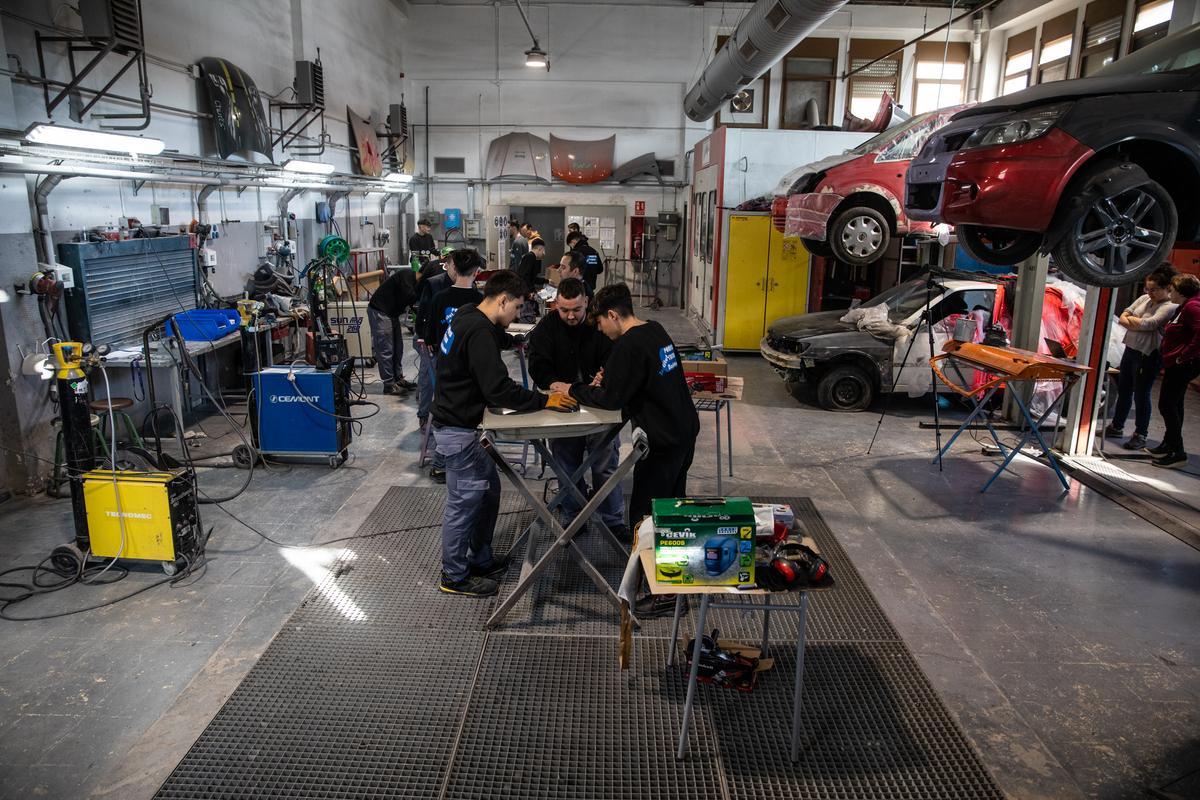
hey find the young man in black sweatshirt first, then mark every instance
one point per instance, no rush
(593, 264)
(462, 266)
(644, 379)
(471, 376)
(565, 348)
(421, 245)
(428, 286)
(530, 270)
(393, 297)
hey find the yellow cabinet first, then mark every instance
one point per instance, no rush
(767, 278)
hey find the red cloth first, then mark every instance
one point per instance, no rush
(1181, 337)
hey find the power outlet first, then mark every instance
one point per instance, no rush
(65, 276)
(208, 259)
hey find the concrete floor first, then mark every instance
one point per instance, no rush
(1060, 629)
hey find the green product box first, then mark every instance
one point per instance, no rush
(704, 541)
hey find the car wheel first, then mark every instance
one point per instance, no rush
(818, 248)
(1120, 239)
(859, 236)
(845, 388)
(1000, 247)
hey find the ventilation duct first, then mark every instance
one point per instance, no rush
(765, 34)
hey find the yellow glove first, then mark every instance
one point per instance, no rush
(562, 402)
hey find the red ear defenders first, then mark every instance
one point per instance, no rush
(790, 565)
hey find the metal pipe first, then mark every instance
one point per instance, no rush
(769, 30)
(528, 27)
(97, 172)
(974, 75)
(282, 207)
(923, 36)
(202, 202)
(41, 197)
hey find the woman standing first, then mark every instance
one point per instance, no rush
(1181, 359)
(1143, 322)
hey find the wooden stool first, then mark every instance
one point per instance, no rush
(117, 406)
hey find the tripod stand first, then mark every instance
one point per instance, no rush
(925, 318)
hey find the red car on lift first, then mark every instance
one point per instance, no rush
(850, 206)
(1101, 171)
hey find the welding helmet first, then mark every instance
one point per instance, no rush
(720, 553)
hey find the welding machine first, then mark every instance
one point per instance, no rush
(143, 516)
(302, 411)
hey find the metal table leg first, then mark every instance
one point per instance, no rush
(679, 601)
(729, 432)
(975, 412)
(693, 678)
(717, 420)
(798, 691)
(766, 640)
(1034, 432)
(569, 487)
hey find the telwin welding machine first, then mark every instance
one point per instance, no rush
(146, 516)
(302, 411)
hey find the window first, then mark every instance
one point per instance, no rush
(1151, 23)
(1018, 63)
(1178, 54)
(868, 87)
(1101, 35)
(1058, 42)
(940, 84)
(809, 74)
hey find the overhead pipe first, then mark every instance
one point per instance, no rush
(202, 202)
(765, 35)
(284, 200)
(973, 77)
(41, 199)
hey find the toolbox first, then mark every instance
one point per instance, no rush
(704, 541)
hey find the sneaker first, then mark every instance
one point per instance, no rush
(1160, 450)
(649, 606)
(1113, 433)
(395, 389)
(1136, 442)
(470, 586)
(1171, 461)
(492, 571)
(437, 475)
(405, 384)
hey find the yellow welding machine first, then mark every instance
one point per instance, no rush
(148, 516)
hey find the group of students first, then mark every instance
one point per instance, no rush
(591, 348)
(1162, 334)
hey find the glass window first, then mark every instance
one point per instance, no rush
(868, 87)
(1152, 15)
(795, 102)
(809, 73)
(1016, 84)
(1176, 54)
(1054, 72)
(1020, 62)
(1053, 51)
(808, 67)
(937, 71)
(938, 85)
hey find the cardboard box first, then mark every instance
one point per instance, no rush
(702, 362)
(704, 541)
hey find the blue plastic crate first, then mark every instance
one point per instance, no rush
(203, 324)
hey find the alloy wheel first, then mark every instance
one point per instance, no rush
(1120, 235)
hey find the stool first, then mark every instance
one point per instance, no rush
(117, 406)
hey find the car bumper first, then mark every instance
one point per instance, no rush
(1012, 186)
(790, 362)
(808, 214)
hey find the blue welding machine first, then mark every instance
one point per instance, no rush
(302, 411)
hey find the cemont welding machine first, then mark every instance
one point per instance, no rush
(302, 411)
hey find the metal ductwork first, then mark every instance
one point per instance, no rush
(765, 34)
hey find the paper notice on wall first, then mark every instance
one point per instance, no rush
(608, 222)
(591, 227)
(608, 237)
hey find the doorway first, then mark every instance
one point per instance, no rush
(551, 223)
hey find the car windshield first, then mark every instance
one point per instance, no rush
(1178, 53)
(904, 300)
(875, 142)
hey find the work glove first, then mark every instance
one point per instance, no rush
(562, 402)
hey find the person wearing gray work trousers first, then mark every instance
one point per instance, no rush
(471, 376)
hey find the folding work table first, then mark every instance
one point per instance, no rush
(536, 428)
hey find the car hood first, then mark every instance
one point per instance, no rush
(784, 187)
(1082, 87)
(804, 325)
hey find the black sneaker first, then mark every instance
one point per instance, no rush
(1113, 433)
(470, 586)
(405, 384)
(492, 571)
(1160, 450)
(437, 475)
(1171, 461)
(1136, 442)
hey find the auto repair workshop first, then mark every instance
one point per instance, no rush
(590, 399)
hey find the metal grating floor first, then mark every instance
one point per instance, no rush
(379, 686)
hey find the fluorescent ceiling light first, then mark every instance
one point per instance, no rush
(536, 57)
(87, 139)
(398, 177)
(308, 167)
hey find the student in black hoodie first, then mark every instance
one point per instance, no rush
(530, 270)
(471, 376)
(565, 347)
(393, 297)
(644, 379)
(593, 264)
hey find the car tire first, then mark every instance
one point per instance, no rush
(1119, 239)
(845, 388)
(999, 247)
(818, 248)
(859, 236)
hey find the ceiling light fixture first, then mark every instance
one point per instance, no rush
(308, 167)
(398, 177)
(86, 139)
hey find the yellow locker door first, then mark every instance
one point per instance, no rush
(745, 294)
(787, 278)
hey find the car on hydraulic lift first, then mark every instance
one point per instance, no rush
(849, 367)
(849, 206)
(1100, 171)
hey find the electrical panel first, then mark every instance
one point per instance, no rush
(473, 228)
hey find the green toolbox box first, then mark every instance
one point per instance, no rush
(704, 541)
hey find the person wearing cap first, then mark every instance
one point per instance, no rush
(421, 243)
(518, 244)
(471, 377)
(593, 264)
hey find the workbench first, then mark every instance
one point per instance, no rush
(536, 428)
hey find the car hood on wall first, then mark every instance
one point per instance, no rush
(789, 181)
(1083, 87)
